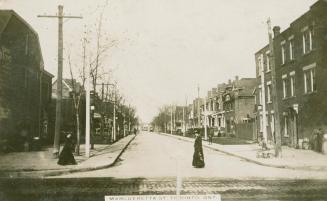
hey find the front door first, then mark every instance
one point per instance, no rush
(293, 128)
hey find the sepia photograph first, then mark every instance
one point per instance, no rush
(163, 100)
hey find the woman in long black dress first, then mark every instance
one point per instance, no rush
(66, 156)
(198, 157)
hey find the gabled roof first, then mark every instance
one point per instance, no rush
(245, 86)
(69, 84)
(6, 15)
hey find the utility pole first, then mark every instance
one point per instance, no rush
(185, 113)
(129, 119)
(87, 113)
(171, 120)
(198, 106)
(278, 137)
(205, 119)
(60, 17)
(183, 126)
(124, 122)
(263, 99)
(114, 132)
(102, 109)
(174, 117)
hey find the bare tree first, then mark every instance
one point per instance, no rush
(162, 120)
(103, 44)
(77, 94)
(96, 61)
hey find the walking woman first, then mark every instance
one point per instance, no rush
(66, 156)
(198, 158)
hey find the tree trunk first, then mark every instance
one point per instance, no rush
(77, 134)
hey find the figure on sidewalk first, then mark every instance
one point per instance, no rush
(66, 156)
(210, 137)
(198, 158)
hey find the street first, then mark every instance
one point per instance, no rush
(101, 98)
(153, 164)
(152, 155)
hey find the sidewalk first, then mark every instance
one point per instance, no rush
(297, 159)
(42, 163)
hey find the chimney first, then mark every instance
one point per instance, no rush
(276, 31)
(229, 81)
(236, 78)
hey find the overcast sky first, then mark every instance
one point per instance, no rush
(164, 48)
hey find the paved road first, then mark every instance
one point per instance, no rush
(152, 155)
(153, 163)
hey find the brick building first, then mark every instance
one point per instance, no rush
(238, 103)
(25, 86)
(228, 109)
(301, 71)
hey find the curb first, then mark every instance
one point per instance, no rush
(249, 159)
(47, 173)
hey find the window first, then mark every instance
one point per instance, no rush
(272, 123)
(284, 78)
(267, 120)
(285, 127)
(291, 46)
(309, 80)
(306, 40)
(261, 123)
(260, 95)
(292, 78)
(259, 66)
(268, 65)
(269, 92)
(283, 52)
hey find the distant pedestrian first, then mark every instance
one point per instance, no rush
(198, 158)
(135, 131)
(66, 156)
(210, 138)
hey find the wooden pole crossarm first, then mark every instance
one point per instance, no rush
(57, 16)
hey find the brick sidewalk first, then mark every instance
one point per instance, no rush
(42, 163)
(298, 159)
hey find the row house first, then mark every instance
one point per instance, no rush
(238, 103)
(211, 103)
(264, 111)
(194, 115)
(25, 86)
(190, 117)
(228, 109)
(180, 119)
(301, 71)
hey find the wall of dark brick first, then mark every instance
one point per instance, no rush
(20, 83)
